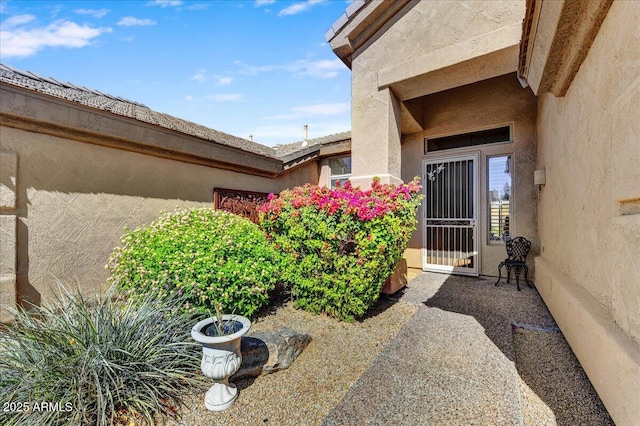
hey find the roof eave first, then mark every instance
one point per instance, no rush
(65, 118)
(360, 22)
(556, 37)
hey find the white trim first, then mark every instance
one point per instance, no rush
(338, 177)
(512, 199)
(447, 157)
(333, 177)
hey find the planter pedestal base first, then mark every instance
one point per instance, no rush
(220, 396)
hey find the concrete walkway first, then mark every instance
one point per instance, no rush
(453, 363)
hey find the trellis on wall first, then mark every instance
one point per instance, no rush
(236, 201)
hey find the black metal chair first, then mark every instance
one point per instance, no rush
(517, 252)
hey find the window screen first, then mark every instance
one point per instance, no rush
(499, 198)
(340, 170)
(482, 137)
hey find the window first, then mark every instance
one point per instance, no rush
(499, 198)
(482, 137)
(340, 170)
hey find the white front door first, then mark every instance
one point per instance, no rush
(451, 213)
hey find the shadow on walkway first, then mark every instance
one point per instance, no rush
(553, 384)
(494, 307)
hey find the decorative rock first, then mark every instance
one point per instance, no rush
(266, 352)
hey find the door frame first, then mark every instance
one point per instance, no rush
(450, 157)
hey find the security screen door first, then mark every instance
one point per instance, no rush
(451, 198)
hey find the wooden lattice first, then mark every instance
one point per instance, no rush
(242, 203)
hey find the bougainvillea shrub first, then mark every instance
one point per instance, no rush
(206, 256)
(340, 244)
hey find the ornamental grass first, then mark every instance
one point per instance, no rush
(98, 361)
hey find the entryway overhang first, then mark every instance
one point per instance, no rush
(488, 56)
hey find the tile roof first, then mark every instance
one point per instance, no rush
(124, 107)
(351, 10)
(290, 148)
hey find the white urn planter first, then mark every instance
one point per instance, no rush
(221, 358)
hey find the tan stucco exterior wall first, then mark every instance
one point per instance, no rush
(491, 103)
(74, 199)
(589, 211)
(401, 50)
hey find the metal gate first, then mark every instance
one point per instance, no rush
(451, 198)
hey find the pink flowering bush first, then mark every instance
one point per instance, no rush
(341, 244)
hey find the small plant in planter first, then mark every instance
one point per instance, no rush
(222, 326)
(220, 337)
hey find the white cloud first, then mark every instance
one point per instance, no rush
(299, 7)
(165, 3)
(188, 98)
(199, 6)
(199, 75)
(279, 133)
(259, 3)
(22, 42)
(96, 13)
(226, 97)
(18, 20)
(272, 135)
(326, 68)
(323, 109)
(130, 21)
(306, 111)
(252, 70)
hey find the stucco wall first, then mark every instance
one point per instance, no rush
(491, 103)
(420, 29)
(74, 199)
(588, 142)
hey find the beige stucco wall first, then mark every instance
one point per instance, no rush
(324, 173)
(420, 35)
(74, 200)
(589, 266)
(488, 104)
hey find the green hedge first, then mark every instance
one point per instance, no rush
(340, 244)
(206, 256)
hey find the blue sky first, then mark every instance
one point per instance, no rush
(243, 67)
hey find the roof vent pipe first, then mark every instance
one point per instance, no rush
(305, 134)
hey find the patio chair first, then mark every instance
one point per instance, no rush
(517, 252)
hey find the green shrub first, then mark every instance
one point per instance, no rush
(206, 256)
(91, 360)
(342, 244)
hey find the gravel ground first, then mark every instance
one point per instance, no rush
(554, 389)
(319, 378)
